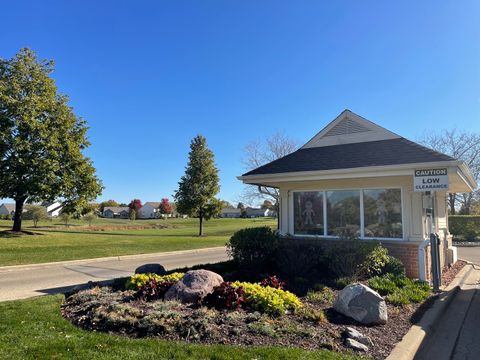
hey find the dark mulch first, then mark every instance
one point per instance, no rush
(89, 310)
(239, 328)
(452, 271)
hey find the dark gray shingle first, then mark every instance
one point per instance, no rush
(373, 153)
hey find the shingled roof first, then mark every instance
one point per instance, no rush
(355, 155)
(351, 141)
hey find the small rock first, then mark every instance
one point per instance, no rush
(151, 269)
(194, 286)
(362, 304)
(355, 345)
(351, 333)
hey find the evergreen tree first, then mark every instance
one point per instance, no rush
(197, 188)
(41, 139)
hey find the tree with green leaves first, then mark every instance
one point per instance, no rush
(41, 139)
(65, 217)
(132, 214)
(36, 213)
(197, 188)
(90, 217)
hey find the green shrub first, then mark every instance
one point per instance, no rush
(399, 289)
(269, 300)
(393, 266)
(298, 257)
(374, 262)
(138, 280)
(343, 281)
(464, 227)
(344, 257)
(324, 296)
(378, 262)
(311, 314)
(252, 246)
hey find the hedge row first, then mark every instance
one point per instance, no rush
(464, 227)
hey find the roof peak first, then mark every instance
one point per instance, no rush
(349, 128)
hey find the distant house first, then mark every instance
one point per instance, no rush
(7, 209)
(53, 208)
(259, 212)
(116, 212)
(230, 212)
(149, 210)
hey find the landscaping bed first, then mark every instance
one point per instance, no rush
(239, 302)
(101, 309)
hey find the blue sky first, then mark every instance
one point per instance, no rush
(150, 75)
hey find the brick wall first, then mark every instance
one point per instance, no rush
(407, 253)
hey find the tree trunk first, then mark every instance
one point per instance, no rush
(200, 231)
(451, 200)
(17, 218)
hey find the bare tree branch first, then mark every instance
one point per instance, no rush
(260, 152)
(463, 146)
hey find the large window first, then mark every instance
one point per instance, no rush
(343, 212)
(382, 213)
(308, 213)
(338, 212)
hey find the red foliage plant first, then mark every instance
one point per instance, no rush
(273, 282)
(135, 204)
(153, 290)
(165, 206)
(225, 296)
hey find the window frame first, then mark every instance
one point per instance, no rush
(362, 210)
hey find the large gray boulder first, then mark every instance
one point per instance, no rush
(151, 269)
(362, 304)
(194, 286)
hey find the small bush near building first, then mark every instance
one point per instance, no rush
(378, 262)
(252, 246)
(312, 260)
(464, 227)
(400, 290)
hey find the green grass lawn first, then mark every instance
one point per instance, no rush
(56, 242)
(34, 329)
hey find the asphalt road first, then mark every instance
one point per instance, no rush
(19, 282)
(469, 253)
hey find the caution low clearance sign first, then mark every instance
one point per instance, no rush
(430, 180)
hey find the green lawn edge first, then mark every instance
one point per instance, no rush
(55, 242)
(34, 329)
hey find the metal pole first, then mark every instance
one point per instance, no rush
(434, 244)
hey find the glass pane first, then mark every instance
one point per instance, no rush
(343, 212)
(308, 210)
(383, 213)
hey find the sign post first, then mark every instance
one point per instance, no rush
(428, 181)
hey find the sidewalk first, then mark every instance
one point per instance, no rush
(456, 336)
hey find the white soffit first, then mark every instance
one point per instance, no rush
(349, 128)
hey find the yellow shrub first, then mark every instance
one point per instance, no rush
(268, 299)
(138, 280)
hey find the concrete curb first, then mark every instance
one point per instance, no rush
(409, 345)
(110, 258)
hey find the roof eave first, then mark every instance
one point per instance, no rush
(359, 172)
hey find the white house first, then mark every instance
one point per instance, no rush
(230, 212)
(149, 210)
(53, 208)
(7, 209)
(259, 212)
(120, 212)
(355, 176)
